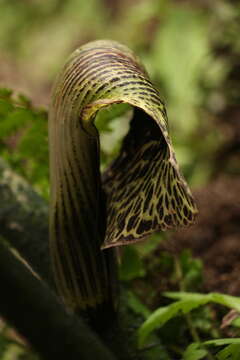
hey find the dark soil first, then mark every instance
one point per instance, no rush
(215, 238)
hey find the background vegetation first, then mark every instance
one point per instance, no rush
(191, 50)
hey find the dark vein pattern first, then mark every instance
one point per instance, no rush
(145, 190)
(142, 191)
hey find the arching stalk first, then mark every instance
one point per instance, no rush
(142, 191)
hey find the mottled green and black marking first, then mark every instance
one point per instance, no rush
(143, 190)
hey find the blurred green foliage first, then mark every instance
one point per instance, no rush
(177, 43)
(23, 141)
(189, 49)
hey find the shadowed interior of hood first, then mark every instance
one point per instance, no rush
(132, 181)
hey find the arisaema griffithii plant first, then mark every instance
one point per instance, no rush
(141, 192)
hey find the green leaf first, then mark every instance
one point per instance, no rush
(136, 305)
(23, 142)
(181, 295)
(24, 101)
(220, 342)
(5, 93)
(230, 352)
(15, 120)
(194, 352)
(236, 322)
(186, 303)
(159, 317)
(232, 302)
(5, 108)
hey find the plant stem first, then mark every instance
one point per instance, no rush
(194, 333)
(30, 306)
